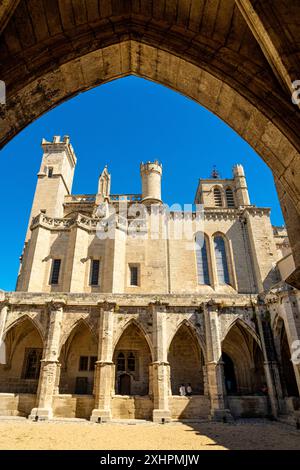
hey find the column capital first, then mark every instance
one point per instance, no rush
(158, 305)
(5, 303)
(213, 304)
(55, 304)
(107, 306)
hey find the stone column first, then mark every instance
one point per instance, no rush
(104, 370)
(270, 366)
(288, 315)
(160, 365)
(3, 317)
(49, 364)
(214, 365)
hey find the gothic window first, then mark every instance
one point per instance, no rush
(121, 362)
(95, 269)
(50, 172)
(218, 197)
(202, 259)
(56, 263)
(221, 260)
(131, 362)
(229, 197)
(32, 363)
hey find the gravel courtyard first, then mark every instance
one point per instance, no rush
(22, 434)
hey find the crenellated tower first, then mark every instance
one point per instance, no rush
(151, 173)
(55, 178)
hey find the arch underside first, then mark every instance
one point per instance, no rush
(186, 361)
(23, 351)
(243, 355)
(132, 373)
(215, 55)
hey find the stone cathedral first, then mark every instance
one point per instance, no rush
(110, 324)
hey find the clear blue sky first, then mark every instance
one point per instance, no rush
(121, 124)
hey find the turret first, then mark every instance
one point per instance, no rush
(55, 178)
(151, 173)
(242, 195)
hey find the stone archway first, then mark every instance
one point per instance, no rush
(24, 351)
(77, 358)
(132, 359)
(230, 58)
(243, 362)
(186, 361)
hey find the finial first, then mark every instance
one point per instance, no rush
(215, 173)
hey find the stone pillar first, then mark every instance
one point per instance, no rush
(104, 370)
(287, 314)
(214, 365)
(160, 365)
(49, 364)
(270, 366)
(3, 317)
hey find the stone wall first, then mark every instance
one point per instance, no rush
(132, 407)
(249, 407)
(73, 406)
(194, 407)
(16, 404)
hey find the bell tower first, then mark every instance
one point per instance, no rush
(55, 178)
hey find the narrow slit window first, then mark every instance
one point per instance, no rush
(133, 275)
(50, 172)
(56, 263)
(95, 270)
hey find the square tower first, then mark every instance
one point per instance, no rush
(230, 193)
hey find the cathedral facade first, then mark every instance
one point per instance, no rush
(125, 308)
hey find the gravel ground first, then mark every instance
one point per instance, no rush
(22, 434)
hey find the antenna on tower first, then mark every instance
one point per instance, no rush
(215, 173)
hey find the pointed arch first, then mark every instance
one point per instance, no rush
(186, 359)
(198, 337)
(22, 318)
(77, 356)
(24, 347)
(243, 324)
(243, 359)
(72, 330)
(133, 321)
(132, 371)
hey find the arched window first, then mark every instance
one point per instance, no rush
(221, 260)
(218, 197)
(131, 362)
(202, 259)
(229, 197)
(121, 362)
